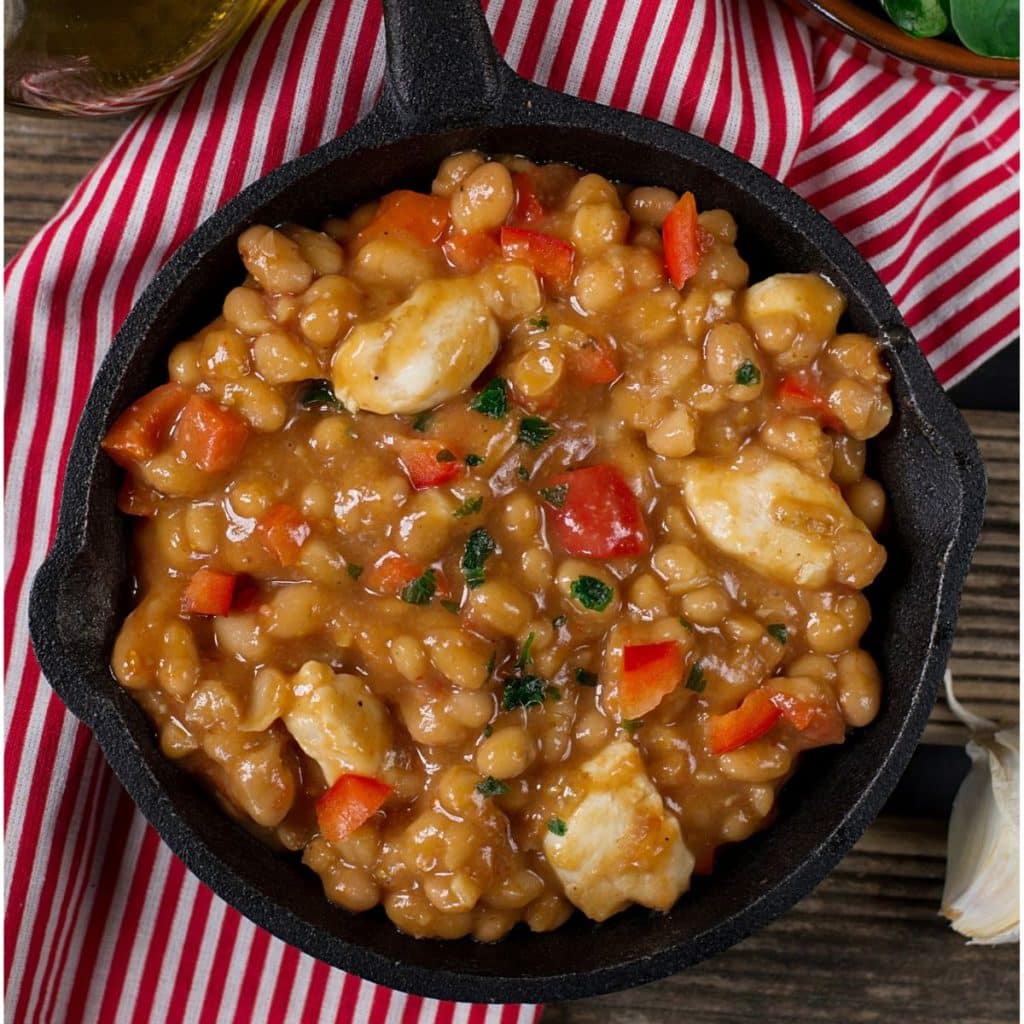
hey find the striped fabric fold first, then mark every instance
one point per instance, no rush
(103, 922)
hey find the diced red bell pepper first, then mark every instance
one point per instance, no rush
(592, 363)
(211, 436)
(680, 238)
(349, 803)
(392, 572)
(469, 251)
(809, 710)
(800, 393)
(649, 673)
(426, 462)
(283, 530)
(139, 432)
(600, 516)
(419, 216)
(550, 257)
(135, 499)
(752, 719)
(209, 592)
(528, 207)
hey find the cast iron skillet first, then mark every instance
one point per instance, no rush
(446, 89)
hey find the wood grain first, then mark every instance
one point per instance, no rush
(45, 158)
(867, 945)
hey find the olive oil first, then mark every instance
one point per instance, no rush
(104, 56)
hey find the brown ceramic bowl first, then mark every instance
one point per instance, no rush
(857, 26)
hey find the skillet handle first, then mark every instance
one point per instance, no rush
(442, 65)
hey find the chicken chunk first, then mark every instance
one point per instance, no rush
(769, 514)
(426, 350)
(337, 721)
(620, 844)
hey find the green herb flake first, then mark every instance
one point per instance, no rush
(556, 495)
(557, 827)
(493, 400)
(552, 693)
(355, 571)
(695, 679)
(540, 322)
(479, 547)
(585, 677)
(490, 663)
(421, 590)
(559, 621)
(445, 456)
(474, 460)
(469, 507)
(488, 730)
(748, 374)
(631, 724)
(491, 787)
(777, 631)
(421, 421)
(523, 473)
(524, 655)
(592, 593)
(318, 393)
(523, 691)
(451, 606)
(685, 623)
(534, 431)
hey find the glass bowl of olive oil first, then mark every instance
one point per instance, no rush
(97, 57)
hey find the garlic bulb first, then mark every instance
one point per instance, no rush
(981, 896)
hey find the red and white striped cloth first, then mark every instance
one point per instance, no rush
(103, 923)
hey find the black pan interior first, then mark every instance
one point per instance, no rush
(926, 462)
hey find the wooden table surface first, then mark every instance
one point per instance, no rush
(867, 944)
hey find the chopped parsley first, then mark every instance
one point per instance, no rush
(479, 547)
(488, 730)
(585, 677)
(421, 590)
(469, 507)
(540, 322)
(559, 621)
(490, 663)
(523, 691)
(748, 374)
(631, 724)
(778, 631)
(557, 827)
(421, 421)
(355, 571)
(534, 431)
(493, 400)
(555, 495)
(523, 473)
(474, 460)
(320, 392)
(685, 623)
(491, 787)
(552, 693)
(524, 655)
(451, 606)
(592, 593)
(444, 455)
(695, 679)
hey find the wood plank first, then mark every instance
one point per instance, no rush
(986, 648)
(44, 159)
